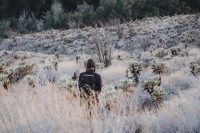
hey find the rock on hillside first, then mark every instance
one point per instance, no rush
(140, 34)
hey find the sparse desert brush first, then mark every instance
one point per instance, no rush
(126, 85)
(111, 95)
(66, 83)
(16, 74)
(162, 53)
(31, 80)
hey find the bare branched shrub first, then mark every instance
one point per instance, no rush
(103, 46)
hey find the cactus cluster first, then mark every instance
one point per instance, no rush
(126, 85)
(135, 69)
(110, 94)
(150, 84)
(158, 94)
(14, 75)
(66, 83)
(158, 68)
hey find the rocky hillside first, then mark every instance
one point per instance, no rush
(149, 32)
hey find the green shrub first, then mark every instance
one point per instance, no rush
(28, 23)
(55, 17)
(4, 26)
(87, 13)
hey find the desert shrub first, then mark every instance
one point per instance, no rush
(135, 69)
(137, 66)
(55, 17)
(29, 23)
(106, 9)
(150, 84)
(31, 80)
(158, 68)
(66, 83)
(126, 85)
(20, 72)
(87, 13)
(195, 68)
(175, 51)
(48, 20)
(158, 94)
(75, 20)
(103, 45)
(1, 67)
(162, 53)
(55, 64)
(15, 74)
(111, 95)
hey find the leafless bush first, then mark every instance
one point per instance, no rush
(103, 46)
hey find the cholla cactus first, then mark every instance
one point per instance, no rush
(14, 75)
(126, 85)
(66, 83)
(195, 68)
(135, 69)
(175, 50)
(110, 94)
(20, 72)
(158, 94)
(149, 85)
(158, 68)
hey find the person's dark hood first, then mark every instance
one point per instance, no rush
(90, 70)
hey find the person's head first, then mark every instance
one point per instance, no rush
(90, 64)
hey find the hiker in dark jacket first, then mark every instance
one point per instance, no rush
(90, 82)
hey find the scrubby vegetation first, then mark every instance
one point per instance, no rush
(31, 16)
(148, 84)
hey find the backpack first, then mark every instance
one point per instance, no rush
(87, 83)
